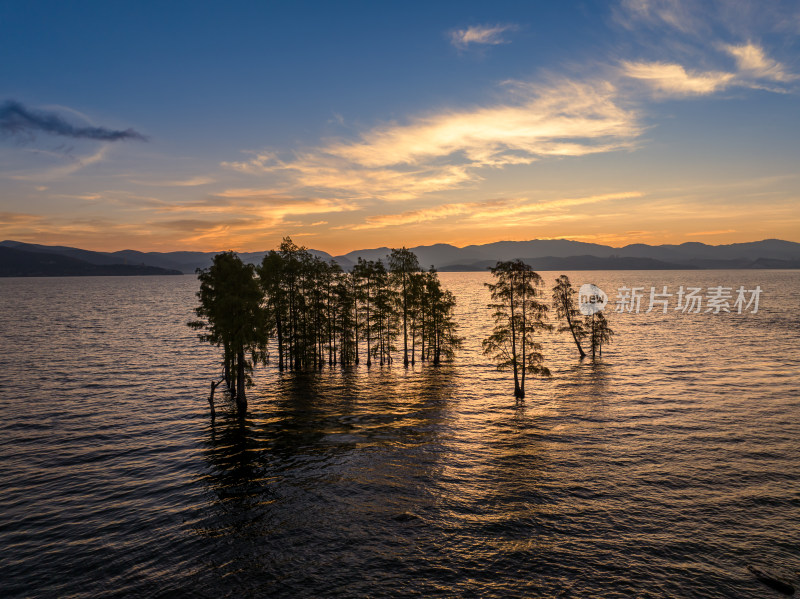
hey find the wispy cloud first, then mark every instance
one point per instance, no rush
(448, 149)
(263, 205)
(670, 79)
(673, 79)
(480, 34)
(499, 212)
(19, 121)
(249, 192)
(689, 36)
(240, 217)
(74, 164)
(568, 119)
(680, 15)
(415, 216)
(190, 182)
(753, 61)
(706, 233)
(260, 162)
(16, 218)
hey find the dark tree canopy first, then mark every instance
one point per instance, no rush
(599, 333)
(564, 304)
(314, 313)
(519, 318)
(403, 264)
(231, 316)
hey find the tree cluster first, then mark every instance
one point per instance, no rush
(313, 313)
(521, 317)
(593, 327)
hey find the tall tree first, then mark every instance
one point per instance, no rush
(599, 332)
(402, 264)
(345, 323)
(314, 308)
(385, 316)
(231, 315)
(416, 296)
(438, 323)
(270, 277)
(519, 319)
(564, 303)
(365, 273)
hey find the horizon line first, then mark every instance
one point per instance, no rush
(417, 246)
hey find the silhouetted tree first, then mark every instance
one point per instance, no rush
(345, 326)
(232, 317)
(385, 315)
(564, 303)
(519, 318)
(270, 277)
(416, 309)
(315, 310)
(402, 264)
(365, 277)
(438, 323)
(599, 333)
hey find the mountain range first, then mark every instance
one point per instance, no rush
(26, 259)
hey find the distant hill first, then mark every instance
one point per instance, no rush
(18, 263)
(578, 263)
(544, 254)
(554, 254)
(185, 262)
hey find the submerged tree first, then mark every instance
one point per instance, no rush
(318, 313)
(599, 332)
(438, 323)
(403, 264)
(231, 316)
(270, 277)
(364, 292)
(386, 321)
(564, 304)
(519, 318)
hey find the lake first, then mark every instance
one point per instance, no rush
(663, 470)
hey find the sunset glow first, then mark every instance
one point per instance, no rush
(652, 122)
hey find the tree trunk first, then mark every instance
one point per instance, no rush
(574, 336)
(214, 385)
(524, 336)
(517, 391)
(413, 341)
(280, 342)
(241, 398)
(405, 323)
(369, 341)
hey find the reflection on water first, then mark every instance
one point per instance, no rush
(661, 471)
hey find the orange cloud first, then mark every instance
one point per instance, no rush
(752, 60)
(494, 213)
(448, 149)
(673, 79)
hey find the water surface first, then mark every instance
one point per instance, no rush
(661, 471)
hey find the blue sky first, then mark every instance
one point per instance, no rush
(350, 125)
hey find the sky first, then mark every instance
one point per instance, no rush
(164, 126)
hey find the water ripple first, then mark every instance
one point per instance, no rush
(662, 471)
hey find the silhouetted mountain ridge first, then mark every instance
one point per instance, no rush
(19, 263)
(544, 254)
(578, 255)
